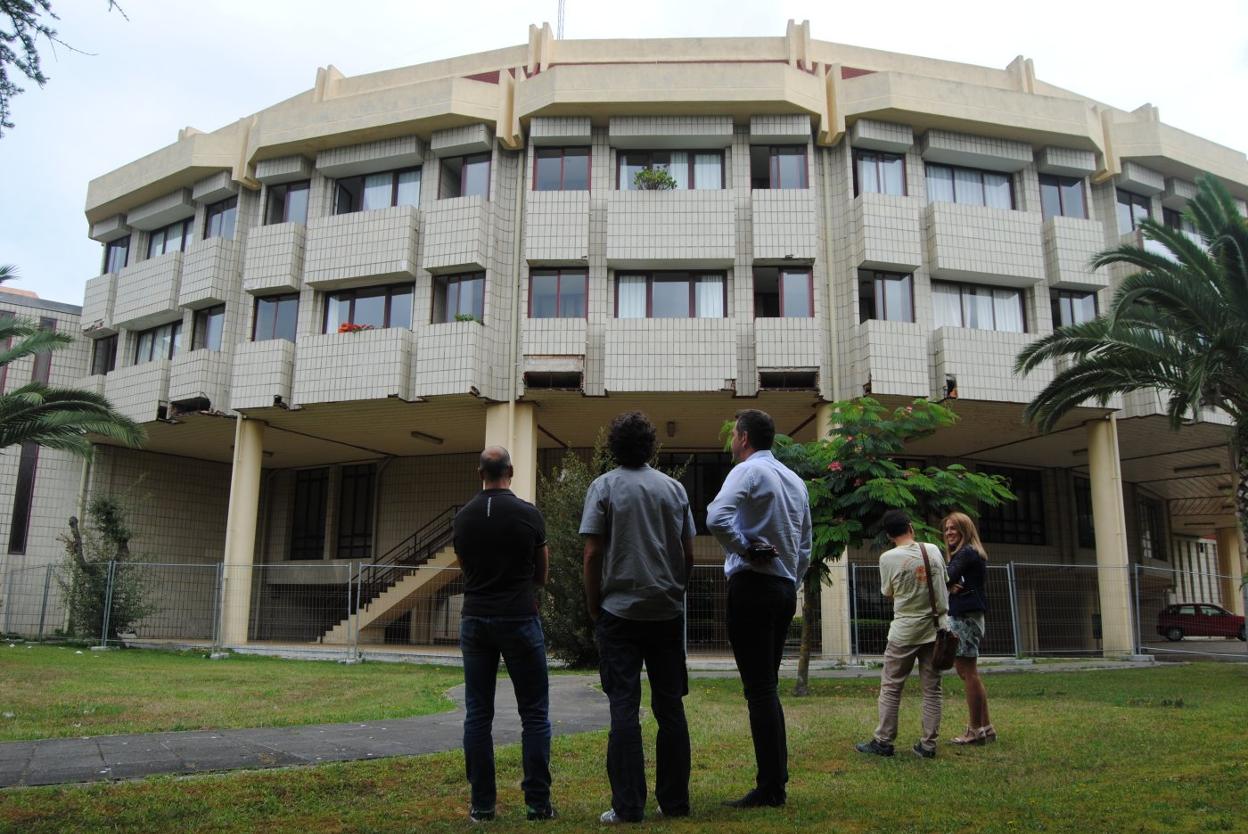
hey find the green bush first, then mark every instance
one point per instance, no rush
(653, 179)
(89, 548)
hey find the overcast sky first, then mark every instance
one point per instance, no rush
(206, 63)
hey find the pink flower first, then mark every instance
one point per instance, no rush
(835, 466)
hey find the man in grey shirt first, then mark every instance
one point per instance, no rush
(639, 533)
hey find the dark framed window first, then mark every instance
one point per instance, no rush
(558, 294)
(209, 327)
(702, 474)
(116, 254)
(671, 295)
(1152, 529)
(778, 166)
(1085, 529)
(459, 297)
(307, 530)
(561, 169)
(1020, 521)
(1176, 220)
(783, 293)
(355, 511)
(277, 317)
(885, 296)
(1131, 209)
(1062, 197)
(1070, 307)
(287, 203)
(876, 172)
(103, 355)
(692, 170)
(465, 176)
(372, 307)
(5, 345)
(172, 238)
(367, 192)
(969, 186)
(220, 218)
(23, 497)
(979, 307)
(163, 342)
(41, 370)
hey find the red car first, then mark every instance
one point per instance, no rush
(1198, 619)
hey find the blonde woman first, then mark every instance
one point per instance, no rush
(968, 603)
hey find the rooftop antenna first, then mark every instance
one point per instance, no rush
(559, 27)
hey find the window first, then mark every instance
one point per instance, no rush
(373, 191)
(969, 186)
(1072, 307)
(561, 169)
(1020, 522)
(783, 293)
(782, 166)
(307, 532)
(702, 474)
(670, 295)
(209, 325)
(172, 238)
(23, 498)
(103, 355)
(5, 345)
(355, 511)
(557, 293)
(277, 317)
(288, 203)
(220, 219)
(162, 342)
(459, 297)
(885, 296)
(978, 307)
(116, 254)
(465, 176)
(879, 173)
(372, 307)
(1132, 208)
(1152, 529)
(1062, 197)
(1084, 526)
(701, 170)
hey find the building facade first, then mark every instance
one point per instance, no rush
(321, 312)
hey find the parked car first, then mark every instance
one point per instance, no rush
(1198, 619)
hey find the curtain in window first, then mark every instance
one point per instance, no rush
(977, 308)
(409, 189)
(997, 191)
(868, 178)
(679, 169)
(1008, 307)
(947, 304)
(970, 187)
(710, 297)
(707, 172)
(939, 184)
(377, 191)
(632, 296)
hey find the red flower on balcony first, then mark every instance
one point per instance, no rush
(351, 327)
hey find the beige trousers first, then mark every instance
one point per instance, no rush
(898, 661)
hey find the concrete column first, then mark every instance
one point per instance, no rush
(1110, 524)
(517, 431)
(240, 529)
(1230, 546)
(835, 610)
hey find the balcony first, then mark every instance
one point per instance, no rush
(887, 232)
(988, 245)
(138, 391)
(97, 304)
(982, 362)
(262, 374)
(556, 227)
(890, 357)
(785, 224)
(200, 379)
(274, 258)
(671, 355)
(788, 343)
(554, 337)
(648, 229)
(457, 234)
(1069, 245)
(95, 383)
(360, 248)
(147, 292)
(340, 367)
(210, 272)
(449, 361)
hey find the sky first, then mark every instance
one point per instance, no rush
(168, 64)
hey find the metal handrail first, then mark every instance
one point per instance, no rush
(373, 579)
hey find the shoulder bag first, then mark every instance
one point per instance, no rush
(946, 648)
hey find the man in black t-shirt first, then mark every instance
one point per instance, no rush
(501, 544)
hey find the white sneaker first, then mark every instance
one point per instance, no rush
(608, 817)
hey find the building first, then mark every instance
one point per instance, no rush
(322, 311)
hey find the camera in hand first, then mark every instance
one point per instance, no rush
(759, 552)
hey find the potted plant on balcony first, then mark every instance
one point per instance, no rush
(467, 317)
(653, 179)
(352, 327)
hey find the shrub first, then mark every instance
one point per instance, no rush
(653, 179)
(89, 549)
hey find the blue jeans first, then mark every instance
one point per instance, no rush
(520, 642)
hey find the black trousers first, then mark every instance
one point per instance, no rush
(623, 646)
(760, 609)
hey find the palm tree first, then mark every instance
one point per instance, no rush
(1179, 325)
(58, 418)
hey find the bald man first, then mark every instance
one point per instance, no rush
(501, 544)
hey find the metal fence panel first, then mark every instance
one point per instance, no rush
(34, 602)
(1204, 624)
(1058, 609)
(163, 603)
(301, 606)
(706, 616)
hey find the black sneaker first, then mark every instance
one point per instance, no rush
(922, 752)
(547, 812)
(756, 799)
(481, 814)
(875, 748)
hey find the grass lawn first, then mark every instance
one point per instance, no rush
(1153, 750)
(55, 691)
